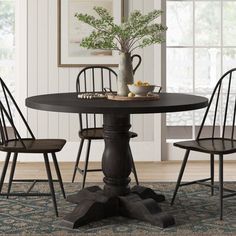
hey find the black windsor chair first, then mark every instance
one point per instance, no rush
(12, 143)
(221, 142)
(89, 130)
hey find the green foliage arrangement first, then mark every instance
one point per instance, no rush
(137, 32)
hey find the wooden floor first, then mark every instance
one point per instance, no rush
(147, 171)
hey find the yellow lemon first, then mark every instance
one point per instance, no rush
(130, 95)
(139, 83)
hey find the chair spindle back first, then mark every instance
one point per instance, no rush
(8, 110)
(222, 107)
(94, 79)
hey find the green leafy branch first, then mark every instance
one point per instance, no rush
(137, 32)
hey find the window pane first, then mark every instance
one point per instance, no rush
(7, 54)
(180, 23)
(198, 114)
(7, 23)
(180, 70)
(207, 23)
(229, 62)
(179, 119)
(229, 58)
(229, 23)
(7, 44)
(7, 71)
(230, 110)
(207, 69)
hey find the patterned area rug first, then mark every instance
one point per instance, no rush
(195, 211)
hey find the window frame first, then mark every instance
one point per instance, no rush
(221, 47)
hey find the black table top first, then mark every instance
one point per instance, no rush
(70, 103)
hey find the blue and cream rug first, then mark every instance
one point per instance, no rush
(195, 211)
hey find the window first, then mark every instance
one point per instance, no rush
(7, 42)
(201, 46)
(7, 46)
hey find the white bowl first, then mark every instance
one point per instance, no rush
(141, 90)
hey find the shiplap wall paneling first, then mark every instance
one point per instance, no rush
(73, 118)
(43, 49)
(64, 125)
(143, 124)
(32, 115)
(137, 120)
(53, 71)
(148, 75)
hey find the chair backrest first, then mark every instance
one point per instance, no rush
(94, 79)
(8, 111)
(221, 110)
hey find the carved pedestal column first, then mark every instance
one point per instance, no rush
(116, 164)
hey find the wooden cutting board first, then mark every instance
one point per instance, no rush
(142, 98)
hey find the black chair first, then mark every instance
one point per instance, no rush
(107, 79)
(12, 143)
(219, 143)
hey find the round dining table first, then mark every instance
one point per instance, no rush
(116, 197)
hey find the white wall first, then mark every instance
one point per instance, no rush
(44, 76)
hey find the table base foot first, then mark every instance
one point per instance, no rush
(145, 193)
(90, 193)
(93, 205)
(133, 206)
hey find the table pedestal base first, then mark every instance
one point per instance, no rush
(93, 205)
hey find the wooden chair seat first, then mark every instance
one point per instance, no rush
(97, 133)
(34, 146)
(209, 145)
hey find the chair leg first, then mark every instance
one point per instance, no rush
(212, 174)
(86, 163)
(221, 185)
(13, 167)
(4, 170)
(78, 159)
(133, 167)
(50, 182)
(58, 174)
(180, 175)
